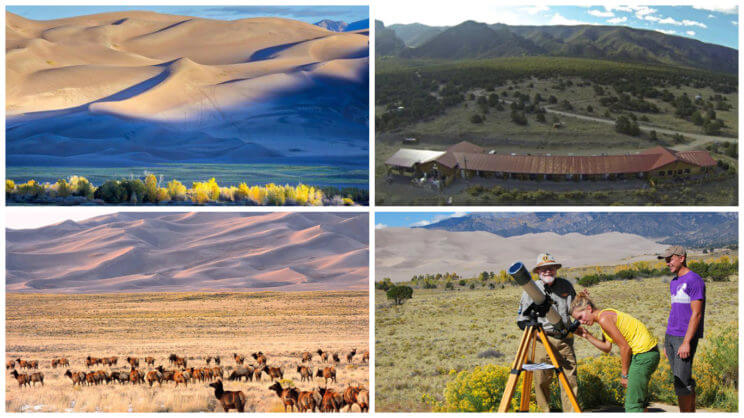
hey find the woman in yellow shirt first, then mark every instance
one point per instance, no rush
(639, 353)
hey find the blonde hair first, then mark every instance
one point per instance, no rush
(581, 302)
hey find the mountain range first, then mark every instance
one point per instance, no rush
(474, 40)
(341, 26)
(689, 229)
(191, 251)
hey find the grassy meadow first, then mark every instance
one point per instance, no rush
(428, 341)
(195, 325)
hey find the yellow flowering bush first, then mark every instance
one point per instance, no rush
(9, 186)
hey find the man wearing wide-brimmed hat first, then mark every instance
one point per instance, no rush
(685, 324)
(561, 293)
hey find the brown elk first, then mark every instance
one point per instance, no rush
(133, 361)
(113, 360)
(336, 358)
(154, 376)
(208, 360)
(178, 361)
(10, 364)
(306, 401)
(323, 354)
(55, 362)
(239, 358)
(305, 372)
(307, 356)
(260, 358)
(365, 356)
(363, 400)
(150, 361)
(274, 372)
(92, 361)
(23, 364)
(228, 399)
(22, 378)
(242, 372)
(350, 356)
(327, 373)
(180, 377)
(217, 371)
(78, 378)
(135, 376)
(217, 360)
(352, 396)
(91, 378)
(287, 395)
(102, 376)
(257, 374)
(332, 401)
(121, 377)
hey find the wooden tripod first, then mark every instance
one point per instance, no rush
(529, 340)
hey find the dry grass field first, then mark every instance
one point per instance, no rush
(196, 325)
(424, 343)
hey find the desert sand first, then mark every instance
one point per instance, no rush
(124, 78)
(152, 252)
(401, 253)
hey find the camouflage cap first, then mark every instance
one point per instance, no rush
(673, 250)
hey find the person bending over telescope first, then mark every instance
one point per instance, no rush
(560, 293)
(639, 353)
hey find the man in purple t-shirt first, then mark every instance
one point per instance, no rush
(685, 326)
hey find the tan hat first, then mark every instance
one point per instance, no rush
(545, 259)
(673, 250)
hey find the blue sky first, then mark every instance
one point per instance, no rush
(406, 219)
(716, 23)
(309, 14)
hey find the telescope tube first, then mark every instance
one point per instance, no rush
(520, 275)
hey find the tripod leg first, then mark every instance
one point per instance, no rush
(524, 405)
(561, 375)
(511, 382)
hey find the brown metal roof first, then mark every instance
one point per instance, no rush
(408, 157)
(449, 160)
(701, 158)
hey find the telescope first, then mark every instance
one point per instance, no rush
(542, 304)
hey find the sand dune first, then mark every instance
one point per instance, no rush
(139, 252)
(403, 252)
(289, 80)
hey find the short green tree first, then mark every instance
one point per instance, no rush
(399, 294)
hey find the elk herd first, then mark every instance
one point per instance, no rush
(320, 399)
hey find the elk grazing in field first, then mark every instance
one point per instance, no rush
(150, 361)
(323, 354)
(260, 358)
(327, 373)
(92, 361)
(36, 377)
(178, 361)
(154, 376)
(274, 372)
(133, 361)
(287, 395)
(305, 372)
(306, 401)
(239, 358)
(350, 356)
(10, 364)
(242, 372)
(78, 378)
(228, 399)
(307, 356)
(121, 377)
(365, 356)
(22, 378)
(336, 358)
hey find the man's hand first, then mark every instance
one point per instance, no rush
(624, 382)
(684, 350)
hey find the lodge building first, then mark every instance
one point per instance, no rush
(467, 160)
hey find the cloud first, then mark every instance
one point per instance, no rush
(690, 32)
(735, 23)
(641, 11)
(293, 11)
(687, 22)
(617, 20)
(711, 17)
(380, 226)
(438, 218)
(619, 8)
(668, 32)
(722, 7)
(557, 19)
(599, 13)
(535, 10)
(672, 21)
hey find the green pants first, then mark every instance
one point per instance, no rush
(642, 366)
